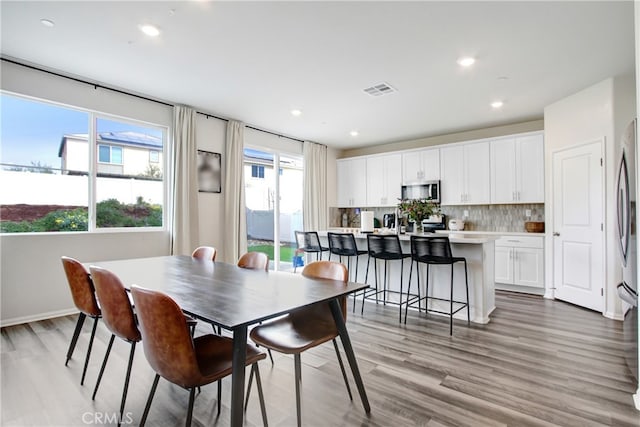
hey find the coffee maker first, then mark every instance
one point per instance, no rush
(389, 221)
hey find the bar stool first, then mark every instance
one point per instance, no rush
(344, 244)
(436, 250)
(384, 247)
(309, 242)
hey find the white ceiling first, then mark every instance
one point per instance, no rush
(257, 61)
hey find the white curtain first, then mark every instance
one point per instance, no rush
(235, 227)
(184, 182)
(314, 210)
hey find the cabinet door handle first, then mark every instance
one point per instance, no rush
(556, 234)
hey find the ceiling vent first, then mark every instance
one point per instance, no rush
(380, 89)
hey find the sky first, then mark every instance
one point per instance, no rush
(31, 131)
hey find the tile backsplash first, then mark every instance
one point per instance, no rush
(507, 218)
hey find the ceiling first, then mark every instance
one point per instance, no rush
(256, 62)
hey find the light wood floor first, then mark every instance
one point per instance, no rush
(538, 362)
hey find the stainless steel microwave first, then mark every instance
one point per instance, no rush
(425, 190)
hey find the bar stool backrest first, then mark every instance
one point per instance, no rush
(431, 249)
(343, 244)
(308, 241)
(384, 246)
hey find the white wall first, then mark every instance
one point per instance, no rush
(585, 117)
(210, 136)
(32, 282)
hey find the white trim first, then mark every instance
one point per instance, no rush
(37, 317)
(611, 315)
(636, 399)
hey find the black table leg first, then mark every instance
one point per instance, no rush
(237, 375)
(348, 349)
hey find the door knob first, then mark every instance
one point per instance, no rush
(555, 233)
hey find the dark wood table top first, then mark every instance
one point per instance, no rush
(225, 294)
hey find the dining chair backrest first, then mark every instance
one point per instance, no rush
(82, 290)
(166, 340)
(431, 248)
(384, 246)
(115, 305)
(205, 252)
(254, 261)
(308, 241)
(343, 244)
(328, 270)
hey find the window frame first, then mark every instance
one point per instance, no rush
(259, 171)
(111, 147)
(92, 173)
(157, 156)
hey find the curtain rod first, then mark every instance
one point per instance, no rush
(135, 95)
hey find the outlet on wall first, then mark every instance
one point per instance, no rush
(527, 213)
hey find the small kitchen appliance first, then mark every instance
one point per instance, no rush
(456, 224)
(389, 221)
(434, 223)
(429, 190)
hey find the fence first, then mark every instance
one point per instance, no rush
(260, 225)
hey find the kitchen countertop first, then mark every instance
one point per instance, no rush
(454, 237)
(485, 233)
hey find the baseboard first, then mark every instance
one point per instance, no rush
(37, 317)
(612, 315)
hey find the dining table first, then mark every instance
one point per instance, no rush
(234, 298)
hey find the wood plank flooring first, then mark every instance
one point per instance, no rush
(537, 363)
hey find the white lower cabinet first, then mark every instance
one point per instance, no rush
(519, 262)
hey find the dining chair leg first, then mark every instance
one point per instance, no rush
(344, 373)
(74, 339)
(104, 365)
(270, 355)
(192, 395)
(263, 407)
(219, 396)
(86, 360)
(126, 381)
(143, 420)
(246, 399)
(298, 377)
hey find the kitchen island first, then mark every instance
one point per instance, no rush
(478, 249)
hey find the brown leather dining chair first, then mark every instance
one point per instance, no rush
(305, 328)
(118, 316)
(254, 261)
(84, 298)
(178, 357)
(205, 252)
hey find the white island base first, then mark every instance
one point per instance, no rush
(477, 249)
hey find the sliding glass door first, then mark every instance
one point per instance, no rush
(273, 191)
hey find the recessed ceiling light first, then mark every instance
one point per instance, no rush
(497, 104)
(354, 133)
(150, 30)
(466, 61)
(47, 23)
(296, 113)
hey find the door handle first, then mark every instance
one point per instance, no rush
(556, 234)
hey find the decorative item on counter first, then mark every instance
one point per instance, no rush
(366, 221)
(534, 227)
(345, 220)
(418, 210)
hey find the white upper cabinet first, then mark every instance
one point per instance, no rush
(352, 182)
(465, 174)
(384, 186)
(420, 166)
(517, 172)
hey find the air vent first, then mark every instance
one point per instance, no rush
(380, 89)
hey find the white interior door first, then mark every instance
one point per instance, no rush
(578, 248)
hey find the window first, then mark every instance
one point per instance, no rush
(46, 154)
(154, 156)
(257, 171)
(109, 154)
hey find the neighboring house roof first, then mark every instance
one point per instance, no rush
(132, 139)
